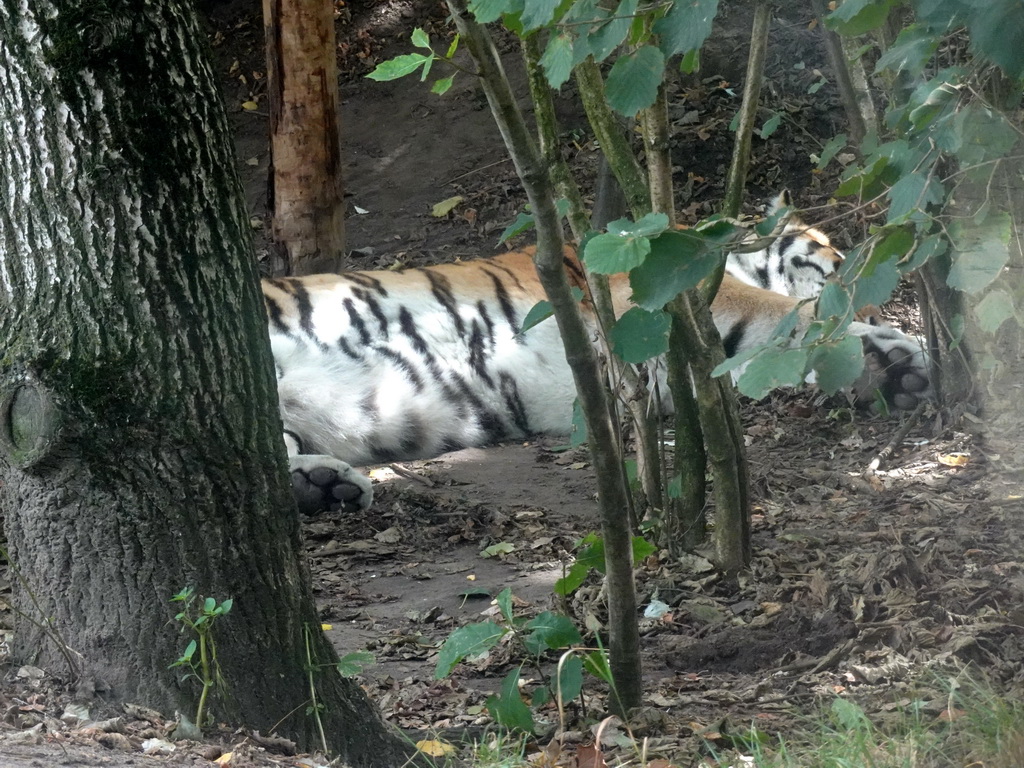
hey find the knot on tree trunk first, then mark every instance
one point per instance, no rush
(29, 422)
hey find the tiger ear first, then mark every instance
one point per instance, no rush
(782, 200)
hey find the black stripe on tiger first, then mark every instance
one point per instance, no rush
(305, 309)
(374, 306)
(276, 315)
(371, 283)
(402, 363)
(732, 340)
(510, 391)
(356, 321)
(506, 306)
(477, 354)
(441, 289)
(481, 309)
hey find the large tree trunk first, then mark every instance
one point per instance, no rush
(141, 451)
(307, 206)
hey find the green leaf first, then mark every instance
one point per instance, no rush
(911, 195)
(640, 335)
(487, 11)
(504, 601)
(609, 254)
(190, 650)
(850, 716)
(596, 663)
(876, 288)
(633, 81)
(855, 17)
(570, 678)
(677, 262)
(420, 39)
(607, 37)
(980, 253)
(400, 66)
(994, 310)
(642, 548)
(537, 13)
(771, 369)
(997, 34)
(538, 313)
(523, 222)
(507, 707)
(982, 135)
(771, 125)
(931, 246)
(440, 87)
(351, 664)
(500, 548)
(572, 580)
(464, 642)
(209, 604)
(686, 26)
(651, 225)
(834, 301)
(838, 364)
(550, 631)
(863, 182)
(830, 150)
(557, 60)
(910, 51)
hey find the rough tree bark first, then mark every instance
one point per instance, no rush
(141, 450)
(306, 197)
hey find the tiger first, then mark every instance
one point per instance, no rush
(383, 366)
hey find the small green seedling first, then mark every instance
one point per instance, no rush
(198, 615)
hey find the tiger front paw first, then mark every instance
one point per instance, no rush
(321, 483)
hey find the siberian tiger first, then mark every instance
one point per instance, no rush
(394, 365)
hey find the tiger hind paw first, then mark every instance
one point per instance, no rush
(322, 483)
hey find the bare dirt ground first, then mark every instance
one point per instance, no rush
(873, 585)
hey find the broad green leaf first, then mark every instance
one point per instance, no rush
(607, 37)
(994, 309)
(440, 87)
(570, 678)
(863, 182)
(572, 580)
(500, 548)
(855, 17)
(487, 11)
(980, 253)
(732, 363)
(983, 135)
(465, 642)
(876, 288)
(834, 301)
(677, 262)
(190, 650)
(771, 369)
(504, 602)
(523, 222)
(997, 34)
(400, 66)
(633, 81)
(650, 225)
(910, 51)
(911, 195)
(830, 149)
(686, 26)
(596, 663)
(508, 708)
(541, 695)
(538, 313)
(351, 664)
(642, 548)
(609, 254)
(837, 364)
(690, 62)
(933, 245)
(550, 631)
(940, 98)
(771, 125)
(420, 39)
(640, 335)
(557, 60)
(537, 13)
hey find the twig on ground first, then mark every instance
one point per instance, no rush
(890, 448)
